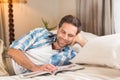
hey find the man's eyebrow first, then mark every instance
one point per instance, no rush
(68, 33)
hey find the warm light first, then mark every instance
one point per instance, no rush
(14, 1)
(11, 17)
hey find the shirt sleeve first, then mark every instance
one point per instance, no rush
(27, 40)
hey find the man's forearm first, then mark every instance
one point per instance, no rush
(24, 61)
(21, 59)
(82, 42)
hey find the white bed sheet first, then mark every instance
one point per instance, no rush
(89, 73)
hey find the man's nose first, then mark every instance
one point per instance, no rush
(65, 37)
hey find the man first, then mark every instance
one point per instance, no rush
(41, 50)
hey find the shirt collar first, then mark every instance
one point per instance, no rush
(53, 38)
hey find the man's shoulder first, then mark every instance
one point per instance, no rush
(40, 30)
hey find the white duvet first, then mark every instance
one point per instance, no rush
(89, 73)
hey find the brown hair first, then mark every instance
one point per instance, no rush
(72, 20)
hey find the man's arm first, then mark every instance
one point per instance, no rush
(23, 60)
(80, 39)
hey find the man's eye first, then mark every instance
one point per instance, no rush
(70, 35)
(63, 32)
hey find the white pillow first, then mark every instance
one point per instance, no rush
(104, 50)
(88, 35)
(54, 31)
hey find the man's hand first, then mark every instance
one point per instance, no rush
(80, 39)
(46, 67)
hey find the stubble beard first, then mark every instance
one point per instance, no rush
(60, 44)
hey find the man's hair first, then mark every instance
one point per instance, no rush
(71, 20)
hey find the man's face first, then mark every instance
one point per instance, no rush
(66, 34)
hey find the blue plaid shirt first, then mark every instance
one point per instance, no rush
(39, 37)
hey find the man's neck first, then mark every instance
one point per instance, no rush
(56, 46)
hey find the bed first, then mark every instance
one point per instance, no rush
(89, 73)
(100, 58)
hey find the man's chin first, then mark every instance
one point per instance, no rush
(63, 45)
